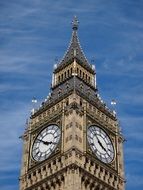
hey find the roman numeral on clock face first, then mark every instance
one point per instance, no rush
(100, 143)
(46, 142)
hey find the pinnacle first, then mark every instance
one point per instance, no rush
(75, 23)
(74, 50)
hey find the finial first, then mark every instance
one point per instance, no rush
(75, 23)
(113, 103)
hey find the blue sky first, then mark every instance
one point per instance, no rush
(35, 33)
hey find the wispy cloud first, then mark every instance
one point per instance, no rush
(33, 33)
(12, 127)
(134, 181)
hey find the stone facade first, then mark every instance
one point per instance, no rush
(74, 105)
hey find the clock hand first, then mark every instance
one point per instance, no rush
(108, 154)
(101, 144)
(110, 150)
(46, 142)
(41, 140)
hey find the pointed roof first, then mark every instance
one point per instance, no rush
(74, 51)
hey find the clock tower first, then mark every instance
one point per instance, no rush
(73, 141)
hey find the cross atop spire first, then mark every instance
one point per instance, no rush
(75, 23)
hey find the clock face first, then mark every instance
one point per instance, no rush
(46, 142)
(100, 144)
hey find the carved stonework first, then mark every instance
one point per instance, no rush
(89, 152)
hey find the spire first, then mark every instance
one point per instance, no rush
(74, 51)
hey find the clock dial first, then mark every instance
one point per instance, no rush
(100, 144)
(46, 142)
